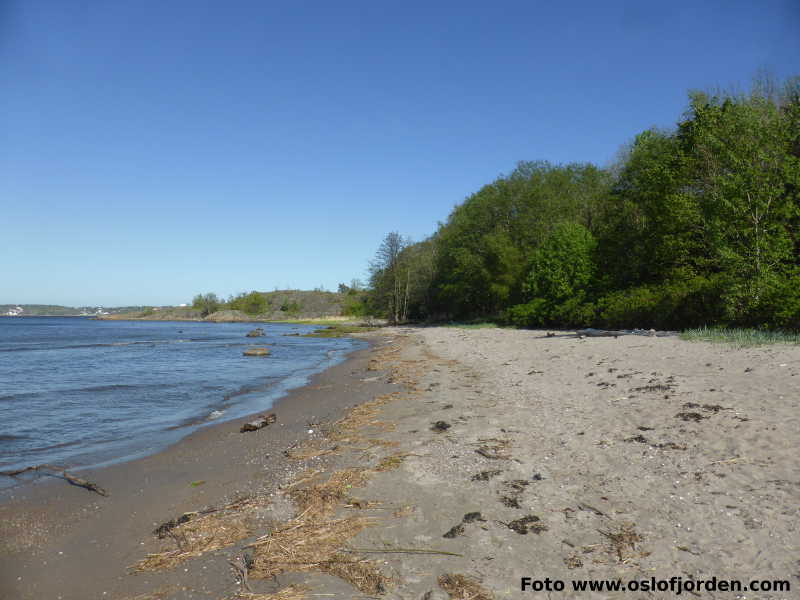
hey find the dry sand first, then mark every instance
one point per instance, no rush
(476, 457)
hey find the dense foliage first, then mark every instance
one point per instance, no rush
(695, 226)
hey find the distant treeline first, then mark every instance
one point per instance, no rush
(693, 226)
(280, 304)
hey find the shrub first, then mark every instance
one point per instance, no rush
(253, 303)
(672, 305)
(530, 314)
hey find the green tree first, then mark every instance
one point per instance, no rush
(206, 303)
(559, 282)
(252, 303)
(745, 177)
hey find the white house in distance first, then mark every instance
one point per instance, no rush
(15, 312)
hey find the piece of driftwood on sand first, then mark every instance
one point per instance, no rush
(92, 487)
(590, 332)
(259, 423)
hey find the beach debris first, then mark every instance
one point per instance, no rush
(471, 517)
(259, 423)
(457, 530)
(389, 463)
(299, 451)
(622, 542)
(313, 540)
(291, 592)
(527, 524)
(459, 587)
(715, 408)
(198, 533)
(496, 450)
(638, 438)
(404, 511)
(573, 561)
(584, 333)
(72, 479)
(591, 509)
(165, 528)
(658, 387)
(485, 475)
(493, 453)
(401, 551)
(516, 487)
(664, 446)
(241, 564)
(257, 352)
(257, 332)
(440, 426)
(690, 416)
(305, 545)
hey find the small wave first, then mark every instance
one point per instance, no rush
(215, 414)
(56, 446)
(109, 388)
(90, 389)
(248, 389)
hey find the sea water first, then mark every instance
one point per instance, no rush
(79, 392)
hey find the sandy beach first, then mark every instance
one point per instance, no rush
(472, 458)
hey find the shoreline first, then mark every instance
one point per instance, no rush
(467, 459)
(43, 522)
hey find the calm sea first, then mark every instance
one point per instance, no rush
(79, 392)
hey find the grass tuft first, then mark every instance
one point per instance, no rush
(740, 337)
(337, 331)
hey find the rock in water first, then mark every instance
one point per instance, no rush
(257, 332)
(256, 352)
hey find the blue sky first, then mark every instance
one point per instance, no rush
(151, 150)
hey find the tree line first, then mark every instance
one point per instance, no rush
(691, 226)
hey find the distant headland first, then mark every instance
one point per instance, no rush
(279, 305)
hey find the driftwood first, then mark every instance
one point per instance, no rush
(598, 333)
(92, 487)
(259, 423)
(590, 332)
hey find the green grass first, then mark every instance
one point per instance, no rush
(740, 337)
(337, 331)
(476, 325)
